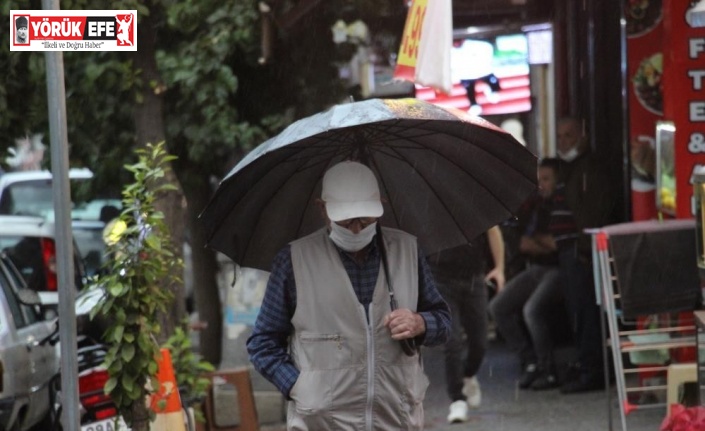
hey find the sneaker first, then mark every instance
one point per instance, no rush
(458, 412)
(531, 372)
(544, 381)
(471, 390)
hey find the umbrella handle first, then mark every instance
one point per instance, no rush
(408, 345)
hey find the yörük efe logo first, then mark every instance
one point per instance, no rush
(69, 30)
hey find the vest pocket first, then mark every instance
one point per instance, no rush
(417, 385)
(323, 352)
(311, 400)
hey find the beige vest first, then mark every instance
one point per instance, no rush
(354, 376)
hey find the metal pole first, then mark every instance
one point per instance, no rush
(56, 97)
(626, 135)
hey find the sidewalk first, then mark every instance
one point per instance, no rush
(504, 407)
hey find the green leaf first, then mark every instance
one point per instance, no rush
(128, 352)
(110, 385)
(118, 331)
(128, 382)
(117, 289)
(153, 241)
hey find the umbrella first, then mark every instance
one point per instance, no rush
(445, 177)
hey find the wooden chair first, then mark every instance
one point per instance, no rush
(240, 379)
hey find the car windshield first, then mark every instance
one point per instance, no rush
(28, 198)
(36, 198)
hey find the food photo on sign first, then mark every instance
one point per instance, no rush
(648, 85)
(642, 16)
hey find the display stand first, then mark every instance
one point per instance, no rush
(647, 283)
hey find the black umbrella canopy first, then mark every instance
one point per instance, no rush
(444, 176)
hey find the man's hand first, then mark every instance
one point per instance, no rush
(404, 323)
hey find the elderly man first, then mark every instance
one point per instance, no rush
(583, 199)
(326, 335)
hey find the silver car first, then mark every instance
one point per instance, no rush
(27, 366)
(29, 242)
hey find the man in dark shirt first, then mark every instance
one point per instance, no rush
(583, 200)
(522, 310)
(462, 274)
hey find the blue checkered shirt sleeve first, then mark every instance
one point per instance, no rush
(432, 307)
(268, 346)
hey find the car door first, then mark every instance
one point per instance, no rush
(34, 364)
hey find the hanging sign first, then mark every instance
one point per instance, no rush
(424, 54)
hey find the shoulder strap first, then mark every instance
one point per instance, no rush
(409, 344)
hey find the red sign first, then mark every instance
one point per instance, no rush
(645, 91)
(684, 101)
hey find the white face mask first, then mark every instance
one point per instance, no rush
(350, 241)
(569, 155)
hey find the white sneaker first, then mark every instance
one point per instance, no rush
(471, 390)
(458, 412)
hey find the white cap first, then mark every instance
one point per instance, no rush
(350, 190)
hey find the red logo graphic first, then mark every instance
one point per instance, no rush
(125, 30)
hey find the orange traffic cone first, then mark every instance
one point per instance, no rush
(166, 402)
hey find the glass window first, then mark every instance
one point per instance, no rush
(30, 313)
(28, 198)
(26, 254)
(17, 315)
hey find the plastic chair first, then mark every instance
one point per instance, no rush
(678, 374)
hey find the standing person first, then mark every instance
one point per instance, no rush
(582, 200)
(521, 311)
(325, 335)
(462, 278)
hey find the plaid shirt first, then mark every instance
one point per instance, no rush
(268, 344)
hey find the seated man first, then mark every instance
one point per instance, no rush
(521, 310)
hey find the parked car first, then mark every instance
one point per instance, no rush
(27, 366)
(29, 242)
(30, 193)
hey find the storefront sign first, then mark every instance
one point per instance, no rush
(644, 69)
(684, 103)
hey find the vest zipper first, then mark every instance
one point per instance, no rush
(370, 370)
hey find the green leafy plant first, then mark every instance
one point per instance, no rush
(190, 369)
(141, 258)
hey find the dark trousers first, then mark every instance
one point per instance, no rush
(467, 344)
(522, 311)
(579, 292)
